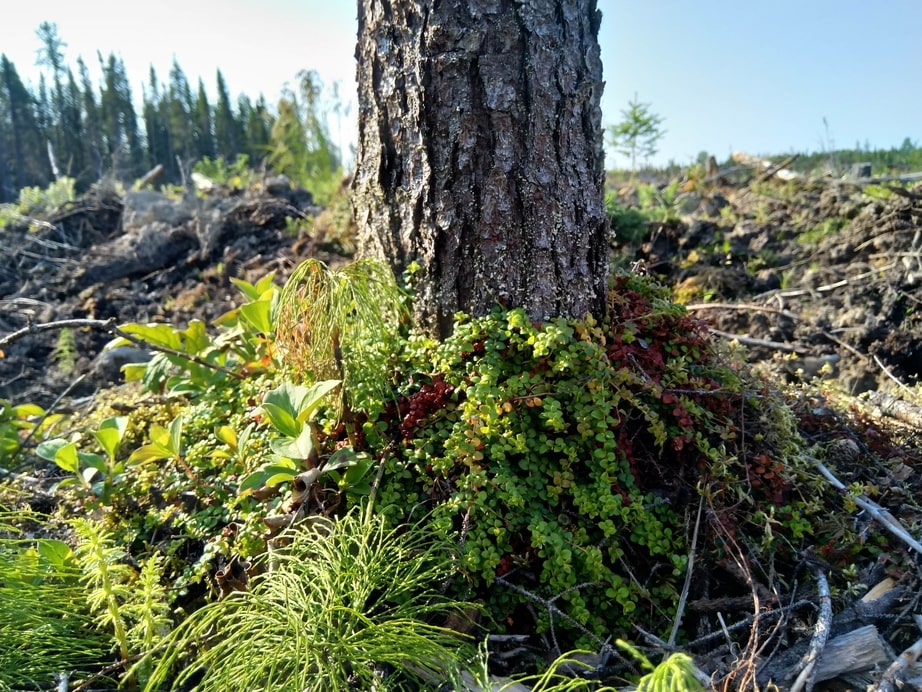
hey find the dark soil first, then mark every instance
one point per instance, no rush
(98, 258)
(807, 274)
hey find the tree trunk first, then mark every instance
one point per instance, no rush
(480, 153)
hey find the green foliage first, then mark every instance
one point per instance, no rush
(19, 421)
(526, 441)
(236, 174)
(659, 202)
(34, 201)
(45, 628)
(340, 323)
(826, 228)
(38, 202)
(630, 225)
(134, 610)
(564, 448)
(165, 443)
(638, 133)
(563, 453)
(301, 147)
(64, 354)
(93, 473)
(191, 361)
(348, 605)
(107, 579)
(677, 673)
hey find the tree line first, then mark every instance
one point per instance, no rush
(71, 128)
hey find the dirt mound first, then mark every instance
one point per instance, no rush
(135, 257)
(818, 277)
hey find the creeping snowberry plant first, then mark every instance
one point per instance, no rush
(569, 453)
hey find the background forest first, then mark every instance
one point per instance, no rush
(70, 128)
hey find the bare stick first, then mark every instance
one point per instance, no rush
(879, 513)
(683, 597)
(807, 676)
(893, 377)
(905, 659)
(764, 343)
(776, 311)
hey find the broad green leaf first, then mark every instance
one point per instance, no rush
(287, 396)
(277, 472)
(299, 447)
(66, 457)
(54, 553)
(357, 471)
(228, 319)
(93, 461)
(265, 284)
(249, 291)
(159, 435)
(156, 334)
(227, 435)
(109, 434)
(196, 338)
(360, 488)
(341, 458)
(26, 410)
(282, 419)
(149, 453)
(253, 481)
(314, 396)
(280, 476)
(299, 402)
(134, 371)
(257, 315)
(176, 435)
(49, 448)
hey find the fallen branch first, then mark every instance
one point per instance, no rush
(689, 570)
(745, 159)
(883, 517)
(777, 311)
(903, 661)
(893, 406)
(763, 343)
(807, 676)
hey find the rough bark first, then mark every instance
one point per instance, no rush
(480, 153)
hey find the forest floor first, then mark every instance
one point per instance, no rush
(819, 281)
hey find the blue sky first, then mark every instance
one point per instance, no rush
(724, 74)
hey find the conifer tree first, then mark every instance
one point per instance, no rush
(27, 162)
(92, 124)
(203, 133)
(228, 137)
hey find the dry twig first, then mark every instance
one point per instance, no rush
(807, 676)
(883, 517)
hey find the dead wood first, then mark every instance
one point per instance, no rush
(895, 407)
(745, 159)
